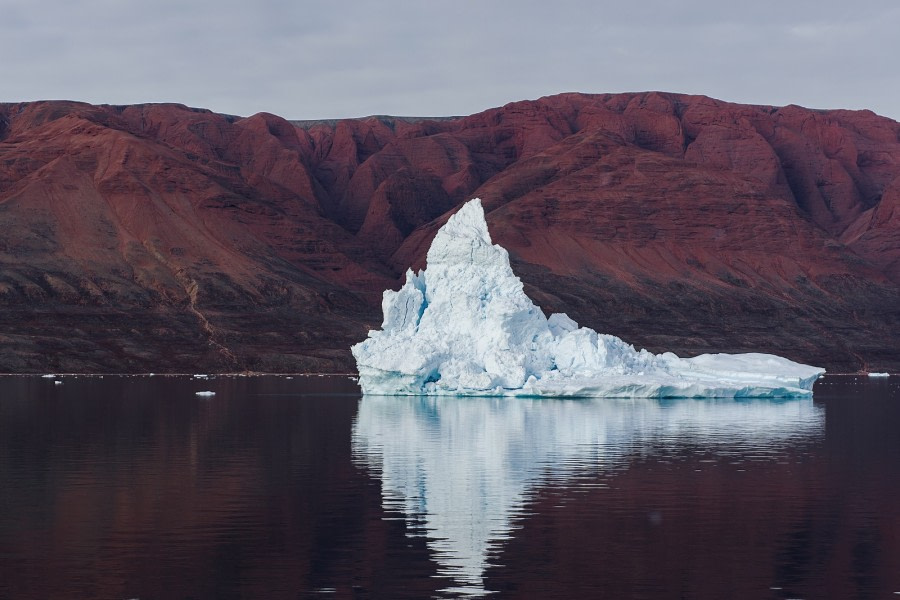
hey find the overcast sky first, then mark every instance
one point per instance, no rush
(311, 60)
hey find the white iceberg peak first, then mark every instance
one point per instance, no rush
(464, 326)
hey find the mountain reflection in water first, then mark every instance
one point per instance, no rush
(461, 470)
(134, 487)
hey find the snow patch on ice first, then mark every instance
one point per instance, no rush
(464, 326)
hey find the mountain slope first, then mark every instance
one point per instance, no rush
(163, 238)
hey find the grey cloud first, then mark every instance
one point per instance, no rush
(329, 59)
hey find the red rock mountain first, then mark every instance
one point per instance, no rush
(164, 238)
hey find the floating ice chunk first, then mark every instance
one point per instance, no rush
(205, 394)
(464, 326)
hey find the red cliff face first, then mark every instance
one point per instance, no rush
(160, 237)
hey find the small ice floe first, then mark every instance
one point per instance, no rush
(205, 394)
(879, 374)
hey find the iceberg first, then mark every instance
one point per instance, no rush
(464, 326)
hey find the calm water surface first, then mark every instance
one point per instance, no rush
(300, 488)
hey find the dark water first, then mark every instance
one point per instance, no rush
(299, 488)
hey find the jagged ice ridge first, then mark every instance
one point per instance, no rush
(464, 326)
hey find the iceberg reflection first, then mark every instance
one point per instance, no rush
(461, 469)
